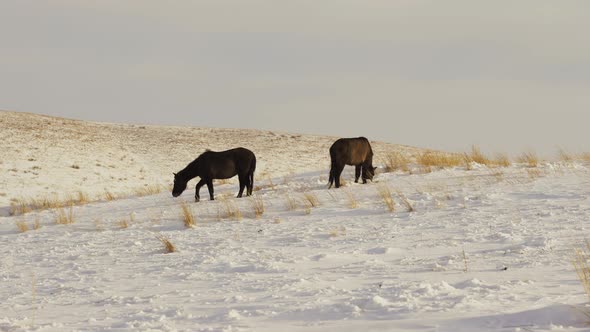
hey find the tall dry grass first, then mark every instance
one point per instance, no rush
(311, 199)
(430, 159)
(187, 215)
(395, 161)
(528, 158)
(257, 204)
(65, 218)
(582, 267)
(385, 194)
(228, 209)
(169, 247)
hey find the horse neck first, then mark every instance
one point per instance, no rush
(191, 171)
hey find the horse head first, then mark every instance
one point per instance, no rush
(179, 185)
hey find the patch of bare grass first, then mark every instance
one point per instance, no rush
(395, 161)
(431, 159)
(477, 156)
(290, 202)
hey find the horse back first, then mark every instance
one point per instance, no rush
(351, 151)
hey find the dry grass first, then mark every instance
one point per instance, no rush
(290, 202)
(257, 204)
(311, 199)
(341, 231)
(585, 157)
(109, 196)
(22, 226)
(385, 194)
(123, 223)
(501, 160)
(23, 205)
(564, 156)
(168, 246)
(405, 202)
(534, 173)
(582, 268)
(395, 161)
(36, 224)
(148, 190)
(187, 215)
(230, 209)
(477, 156)
(431, 159)
(529, 158)
(352, 201)
(65, 218)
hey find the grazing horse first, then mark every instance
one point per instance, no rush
(351, 151)
(218, 165)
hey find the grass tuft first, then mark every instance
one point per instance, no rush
(385, 194)
(405, 202)
(529, 158)
(431, 159)
(311, 199)
(168, 246)
(352, 201)
(187, 215)
(477, 156)
(290, 202)
(65, 218)
(582, 267)
(257, 204)
(501, 160)
(231, 210)
(22, 226)
(396, 161)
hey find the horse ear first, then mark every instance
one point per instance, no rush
(174, 173)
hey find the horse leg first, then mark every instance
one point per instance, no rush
(210, 187)
(337, 172)
(197, 189)
(243, 181)
(357, 174)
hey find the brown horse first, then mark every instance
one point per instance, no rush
(351, 151)
(218, 165)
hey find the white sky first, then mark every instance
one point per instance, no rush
(505, 75)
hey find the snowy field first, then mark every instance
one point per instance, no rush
(483, 250)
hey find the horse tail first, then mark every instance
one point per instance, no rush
(332, 171)
(251, 174)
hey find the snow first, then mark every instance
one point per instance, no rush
(485, 249)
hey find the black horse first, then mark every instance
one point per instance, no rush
(218, 165)
(351, 151)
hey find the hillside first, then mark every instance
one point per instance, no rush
(44, 156)
(461, 248)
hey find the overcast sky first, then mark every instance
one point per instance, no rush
(504, 75)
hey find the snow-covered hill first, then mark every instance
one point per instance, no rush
(483, 249)
(43, 156)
